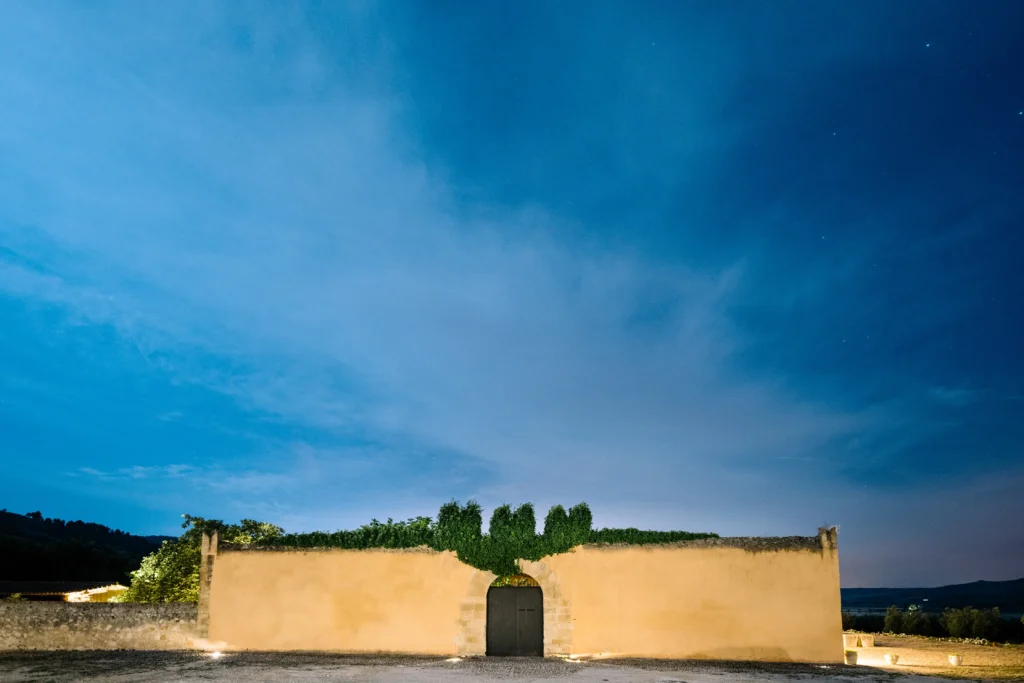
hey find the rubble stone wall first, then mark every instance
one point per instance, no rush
(27, 625)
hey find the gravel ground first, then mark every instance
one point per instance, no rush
(136, 666)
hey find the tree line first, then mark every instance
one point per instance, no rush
(965, 622)
(36, 548)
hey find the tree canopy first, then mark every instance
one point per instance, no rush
(171, 574)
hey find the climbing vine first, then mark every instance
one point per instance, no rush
(511, 535)
(171, 574)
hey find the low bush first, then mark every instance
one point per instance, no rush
(639, 537)
(868, 623)
(911, 622)
(983, 625)
(970, 622)
(390, 534)
(917, 623)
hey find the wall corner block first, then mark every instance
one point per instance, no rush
(829, 539)
(208, 553)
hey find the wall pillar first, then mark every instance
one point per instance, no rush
(472, 638)
(208, 553)
(558, 625)
(829, 539)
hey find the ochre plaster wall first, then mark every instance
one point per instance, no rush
(341, 600)
(694, 602)
(685, 601)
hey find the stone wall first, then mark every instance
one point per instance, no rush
(31, 625)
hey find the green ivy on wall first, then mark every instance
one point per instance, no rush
(171, 574)
(511, 535)
(516, 580)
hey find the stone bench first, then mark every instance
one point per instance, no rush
(858, 640)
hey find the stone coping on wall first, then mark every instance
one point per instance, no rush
(248, 547)
(752, 544)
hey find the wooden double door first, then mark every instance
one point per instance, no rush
(515, 621)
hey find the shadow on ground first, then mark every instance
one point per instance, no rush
(254, 667)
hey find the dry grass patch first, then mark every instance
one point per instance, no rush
(929, 656)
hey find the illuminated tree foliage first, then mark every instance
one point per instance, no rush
(519, 580)
(172, 573)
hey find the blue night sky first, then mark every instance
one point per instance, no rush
(740, 267)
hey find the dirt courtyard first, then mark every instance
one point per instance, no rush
(929, 656)
(159, 667)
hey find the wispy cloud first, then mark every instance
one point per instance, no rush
(256, 223)
(137, 472)
(958, 397)
(301, 245)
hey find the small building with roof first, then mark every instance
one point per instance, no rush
(61, 591)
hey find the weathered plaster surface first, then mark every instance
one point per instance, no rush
(373, 600)
(733, 598)
(30, 625)
(704, 601)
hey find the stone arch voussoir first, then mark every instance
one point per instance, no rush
(472, 638)
(557, 609)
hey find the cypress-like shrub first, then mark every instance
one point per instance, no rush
(512, 535)
(894, 620)
(556, 530)
(580, 522)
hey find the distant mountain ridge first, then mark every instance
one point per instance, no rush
(1008, 596)
(34, 548)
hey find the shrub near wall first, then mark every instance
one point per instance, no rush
(172, 573)
(27, 625)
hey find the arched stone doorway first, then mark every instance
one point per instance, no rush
(515, 617)
(471, 640)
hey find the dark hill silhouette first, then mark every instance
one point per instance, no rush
(1008, 596)
(34, 548)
